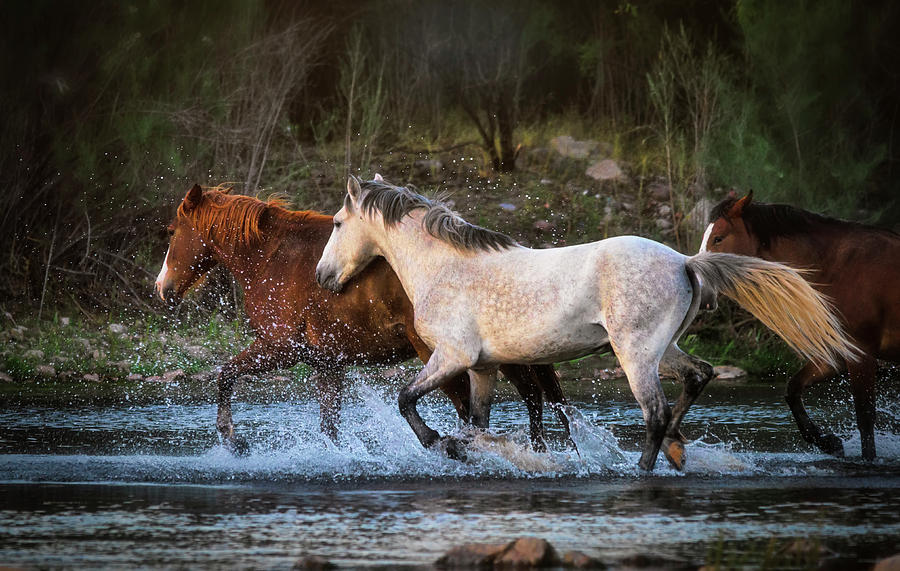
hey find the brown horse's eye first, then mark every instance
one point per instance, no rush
(170, 231)
(717, 240)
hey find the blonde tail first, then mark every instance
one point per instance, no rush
(778, 296)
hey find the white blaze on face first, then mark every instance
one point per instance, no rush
(706, 238)
(162, 276)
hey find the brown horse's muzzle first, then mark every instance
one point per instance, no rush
(167, 293)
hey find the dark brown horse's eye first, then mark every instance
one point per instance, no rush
(717, 240)
(170, 231)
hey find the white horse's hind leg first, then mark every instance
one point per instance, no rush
(694, 374)
(482, 384)
(643, 378)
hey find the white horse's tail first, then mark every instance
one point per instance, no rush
(778, 296)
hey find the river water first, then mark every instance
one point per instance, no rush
(94, 476)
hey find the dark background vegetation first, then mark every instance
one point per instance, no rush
(112, 109)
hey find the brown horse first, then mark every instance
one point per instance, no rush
(857, 266)
(272, 253)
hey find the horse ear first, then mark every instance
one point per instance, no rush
(378, 178)
(193, 197)
(353, 188)
(738, 208)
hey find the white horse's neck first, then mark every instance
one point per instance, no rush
(417, 257)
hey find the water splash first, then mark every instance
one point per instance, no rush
(178, 443)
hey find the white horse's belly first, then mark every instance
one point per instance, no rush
(545, 345)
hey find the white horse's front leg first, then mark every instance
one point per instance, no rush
(481, 395)
(436, 372)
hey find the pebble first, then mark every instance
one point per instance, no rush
(729, 373)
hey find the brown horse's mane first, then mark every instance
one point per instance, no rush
(770, 221)
(395, 202)
(234, 219)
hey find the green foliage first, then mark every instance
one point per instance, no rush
(793, 127)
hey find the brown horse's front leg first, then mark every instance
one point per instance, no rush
(329, 392)
(258, 358)
(809, 375)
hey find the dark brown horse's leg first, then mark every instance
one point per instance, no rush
(534, 383)
(525, 380)
(694, 374)
(330, 388)
(548, 379)
(862, 384)
(257, 358)
(809, 375)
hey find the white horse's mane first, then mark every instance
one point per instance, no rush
(395, 202)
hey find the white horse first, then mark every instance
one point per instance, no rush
(481, 300)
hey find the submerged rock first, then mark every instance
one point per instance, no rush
(523, 553)
(528, 552)
(472, 555)
(578, 560)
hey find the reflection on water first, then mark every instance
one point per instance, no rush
(109, 481)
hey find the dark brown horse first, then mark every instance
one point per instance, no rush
(857, 266)
(272, 253)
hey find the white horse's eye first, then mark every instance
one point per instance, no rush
(337, 224)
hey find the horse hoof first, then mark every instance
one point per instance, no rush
(673, 450)
(831, 444)
(238, 446)
(453, 448)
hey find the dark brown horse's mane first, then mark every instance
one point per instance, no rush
(395, 202)
(770, 221)
(235, 219)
